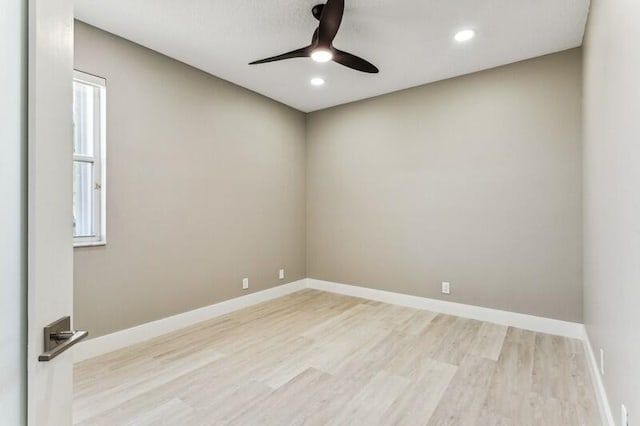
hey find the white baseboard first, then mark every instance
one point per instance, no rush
(596, 379)
(130, 336)
(573, 330)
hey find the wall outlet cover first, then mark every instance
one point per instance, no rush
(446, 287)
(245, 283)
(281, 274)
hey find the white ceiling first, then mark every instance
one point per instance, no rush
(411, 41)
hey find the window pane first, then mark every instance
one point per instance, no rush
(84, 104)
(82, 199)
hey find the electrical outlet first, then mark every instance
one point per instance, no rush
(602, 361)
(446, 287)
(624, 420)
(281, 274)
(245, 283)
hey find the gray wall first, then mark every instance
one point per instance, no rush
(205, 186)
(612, 196)
(474, 180)
(13, 188)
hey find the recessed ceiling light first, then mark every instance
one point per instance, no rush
(317, 81)
(321, 55)
(464, 35)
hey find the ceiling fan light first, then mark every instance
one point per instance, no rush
(464, 35)
(317, 81)
(321, 55)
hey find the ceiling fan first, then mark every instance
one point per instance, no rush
(321, 48)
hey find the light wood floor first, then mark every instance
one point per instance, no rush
(323, 359)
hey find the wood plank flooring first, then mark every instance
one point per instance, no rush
(324, 359)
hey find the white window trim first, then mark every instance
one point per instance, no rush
(100, 165)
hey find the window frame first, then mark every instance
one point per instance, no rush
(99, 161)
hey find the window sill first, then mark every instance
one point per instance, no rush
(89, 244)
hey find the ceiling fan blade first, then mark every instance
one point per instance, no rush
(330, 22)
(298, 53)
(354, 62)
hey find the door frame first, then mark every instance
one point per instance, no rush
(13, 216)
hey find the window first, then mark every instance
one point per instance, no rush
(89, 137)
